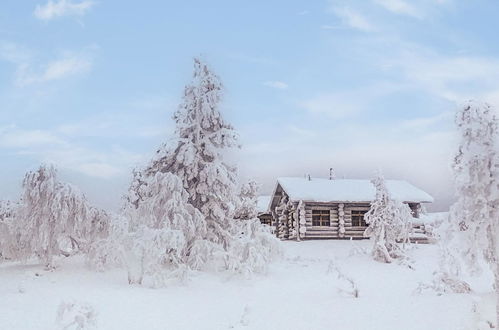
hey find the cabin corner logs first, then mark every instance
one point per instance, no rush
(297, 220)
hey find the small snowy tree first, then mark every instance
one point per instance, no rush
(389, 223)
(55, 218)
(8, 239)
(248, 199)
(475, 215)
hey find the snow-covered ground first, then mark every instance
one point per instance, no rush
(297, 293)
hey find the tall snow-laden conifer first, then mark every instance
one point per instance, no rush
(180, 208)
(197, 158)
(475, 215)
(55, 218)
(389, 223)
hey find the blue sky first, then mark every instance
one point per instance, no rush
(354, 85)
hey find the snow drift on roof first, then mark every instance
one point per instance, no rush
(262, 205)
(346, 190)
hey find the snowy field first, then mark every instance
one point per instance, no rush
(301, 291)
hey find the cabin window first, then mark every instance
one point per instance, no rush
(320, 218)
(358, 218)
(266, 219)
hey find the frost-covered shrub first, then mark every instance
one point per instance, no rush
(54, 218)
(247, 201)
(8, 238)
(389, 223)
(72, 315)
(444, 282)
(252, 248)
(163, 227)
(108, 251)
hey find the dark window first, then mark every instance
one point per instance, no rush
(320, 218)
(358, 218)
(266, 219)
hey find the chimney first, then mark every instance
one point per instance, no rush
(332, 175)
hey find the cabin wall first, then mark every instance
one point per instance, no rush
(340, 220)
(336, 212)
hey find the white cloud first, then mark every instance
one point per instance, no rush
(331, 27)
(99, 170)
(334, 105)
(55, 70)
(55, 9)
(14, 53)
(453, 78)
(13, 137)
(276, 84)
(28, 71)
(345, 104)
(400, 7)
(51, 147)
(353, 19)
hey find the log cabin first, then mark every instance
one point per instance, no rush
(315, 208)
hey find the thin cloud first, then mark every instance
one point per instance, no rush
(51, 147)
(54, 70)
(452, 78)
(353, 19)
(276, 84)
(13, 137)
(61, 8)
(346, 104)
(400, 7)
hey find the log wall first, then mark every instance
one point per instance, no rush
(333, 231)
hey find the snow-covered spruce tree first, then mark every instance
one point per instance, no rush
(197, 158)
(55, 218)
(389, 223)
(247, 201)
(475, 215)
(180, 208)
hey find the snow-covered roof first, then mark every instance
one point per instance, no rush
(348, 190)
(262, 205)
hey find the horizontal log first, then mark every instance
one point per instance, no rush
(321, 228)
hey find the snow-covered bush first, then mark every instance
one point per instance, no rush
(164, 229)
(247, 201)
(444, 282)
(8, 238)
(108, 251)
(72, 315)
(253, 247)
(389, 223)
(54, 218)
